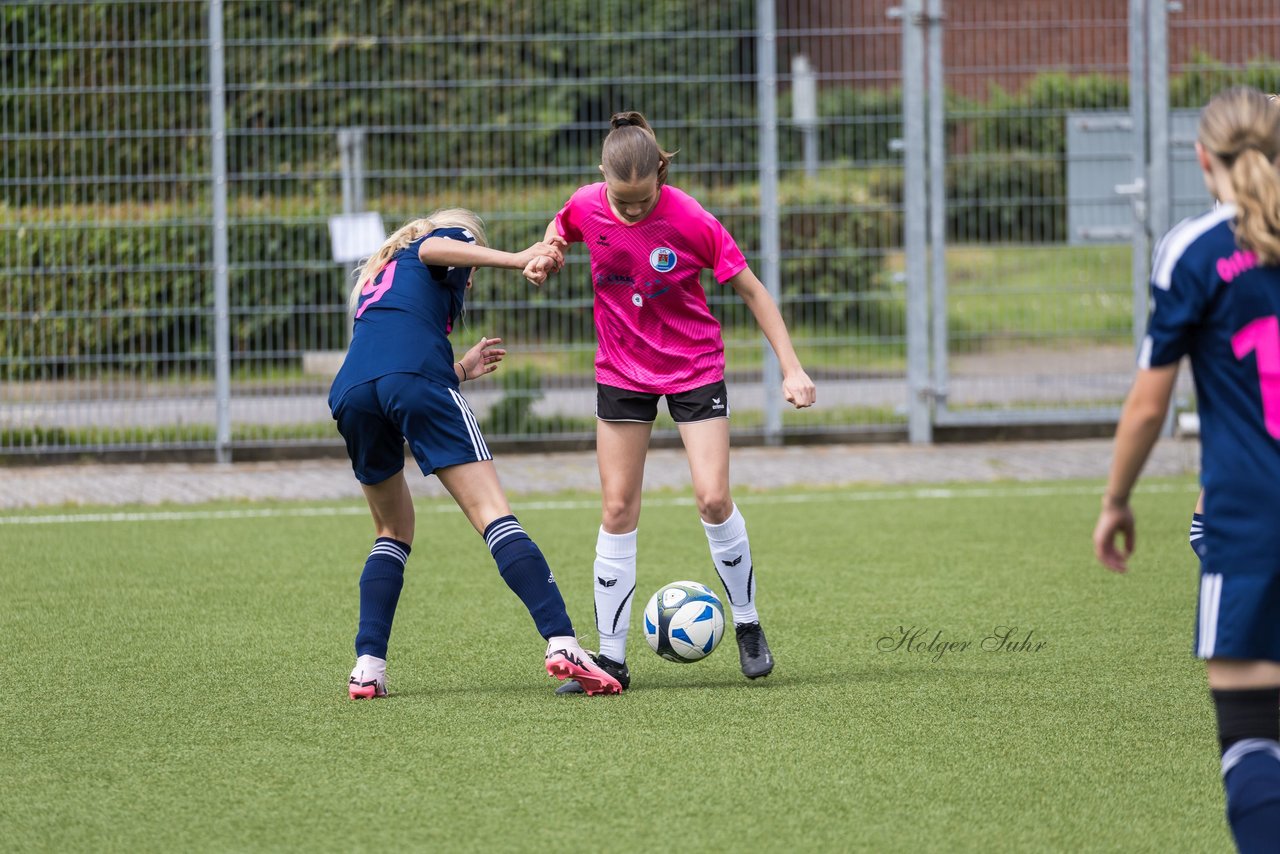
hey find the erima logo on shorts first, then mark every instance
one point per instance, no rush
(662, 259)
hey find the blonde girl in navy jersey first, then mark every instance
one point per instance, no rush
(1195, 535)
(1215, 291)
(400, 382)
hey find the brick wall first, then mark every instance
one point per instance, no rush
(1006, 42)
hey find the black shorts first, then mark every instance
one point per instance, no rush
(696, 404)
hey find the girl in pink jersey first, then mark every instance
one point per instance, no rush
(657, 338)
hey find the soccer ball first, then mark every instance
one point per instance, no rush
(684, 621)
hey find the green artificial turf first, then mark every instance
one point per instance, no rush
(177, 682)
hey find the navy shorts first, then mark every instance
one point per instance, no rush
(1238, 616)
(696, 404)
(377, 417)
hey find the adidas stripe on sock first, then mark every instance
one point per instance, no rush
(526, 572)
(380, 585)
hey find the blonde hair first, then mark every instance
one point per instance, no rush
(411, 231)
(1241, 127)
(631, 151)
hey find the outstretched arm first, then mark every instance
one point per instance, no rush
(445, 252)
(797, 388)
(1136, 435)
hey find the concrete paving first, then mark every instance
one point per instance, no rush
(526, 474)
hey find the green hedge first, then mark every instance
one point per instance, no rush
(140, 297)
(295, 68)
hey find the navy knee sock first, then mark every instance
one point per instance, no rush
(1248, 725)
(526, 572)
(380, 585)
(1251, 776)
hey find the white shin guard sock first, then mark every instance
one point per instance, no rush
(731, 554)
(615, 586)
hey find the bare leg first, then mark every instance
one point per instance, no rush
(706, 443)
(475, 487)
(707, 446)
(1229, 674)
(621, 447)
(392, 508)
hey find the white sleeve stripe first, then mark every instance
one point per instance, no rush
(1170, 249)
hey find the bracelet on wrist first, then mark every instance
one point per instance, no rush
(464, 370)
(1115, 502)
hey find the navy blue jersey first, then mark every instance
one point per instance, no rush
(404, 318)
(1213, 302)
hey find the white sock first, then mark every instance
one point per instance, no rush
(370, 665)
(731, 555)
(615, 586)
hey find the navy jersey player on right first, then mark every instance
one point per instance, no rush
(1216, 297)
(399, 382)
(1195, 534)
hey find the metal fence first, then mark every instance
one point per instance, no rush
(168, 171)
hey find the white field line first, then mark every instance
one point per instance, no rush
(927, 493)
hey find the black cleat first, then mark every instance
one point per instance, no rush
(753, 650)
(608, 665)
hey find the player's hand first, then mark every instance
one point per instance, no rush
(1114, 520)
(798, 389)
(538, 269)
(548, 251)
(482, 359)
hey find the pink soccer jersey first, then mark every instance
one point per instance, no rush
(655, 331)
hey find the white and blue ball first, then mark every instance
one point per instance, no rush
(684, 621)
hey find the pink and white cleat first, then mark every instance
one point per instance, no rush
(368, 678)
(567, 660)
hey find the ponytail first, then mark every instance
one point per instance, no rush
(1240, 126)
(409, 232)
(631, 151)
(1256, 184)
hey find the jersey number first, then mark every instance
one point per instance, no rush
(1262, 337)
(375, 292)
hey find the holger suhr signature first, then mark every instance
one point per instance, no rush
(933, 643)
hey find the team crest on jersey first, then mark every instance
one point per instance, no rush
(662, 259)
